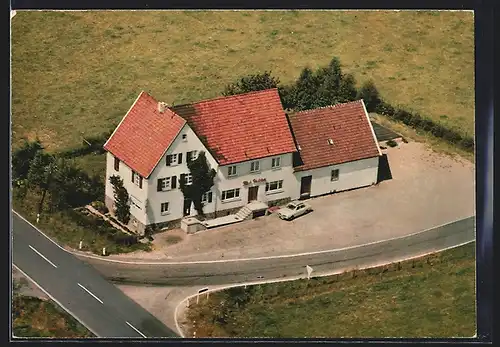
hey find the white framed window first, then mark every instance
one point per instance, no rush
(189, 179)
(206, 198)
(274, 187)
(184, 137)
(231, 170)
(164, 208)
(276, 162)
(255, 166)
(135, 202)
(335, 175)
(163, 184)
(191, 156)
(136, 179)
(231, 194)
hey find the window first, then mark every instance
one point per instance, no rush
(231, 194)
(174, 159)
(117, 164)
(335, 175)
(166, 183)
(136, 179)
(164, 207)
(207, 197)
(189, 179)
(191, 156)
(254, 166)
(184, 137)
(135, 202)
(273, 187)
(231, 171)
(276, 162)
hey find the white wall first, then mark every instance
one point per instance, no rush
(133, 190)
(354, 174)
(285, 173)
(174, 197)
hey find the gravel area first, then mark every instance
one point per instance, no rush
(427, 189)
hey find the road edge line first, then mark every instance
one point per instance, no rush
(57, 302)
(77, 254)
(324, 274)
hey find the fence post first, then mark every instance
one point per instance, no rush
(37, 217)
(104, 251)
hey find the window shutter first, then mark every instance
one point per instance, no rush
(169, 160)
(209, 197)
(133, 175)
(140, 182)
(159, 184)
(173, 183)
(183, 179)
(188, 156)
(179, 159)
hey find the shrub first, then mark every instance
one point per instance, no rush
(391, 143)
(124, 239)
(370, 95)
(99, 206)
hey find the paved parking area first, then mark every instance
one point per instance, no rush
(427, 189)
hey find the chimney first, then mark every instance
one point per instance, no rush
(162, 106)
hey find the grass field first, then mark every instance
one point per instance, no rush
(76, 74)
(33, 317)
(430, 297)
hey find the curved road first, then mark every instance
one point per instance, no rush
(239, 271)
(83, 291)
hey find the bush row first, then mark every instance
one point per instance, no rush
(416, 121)
(102, 227)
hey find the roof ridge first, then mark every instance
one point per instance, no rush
(228, 97)
(341, 104)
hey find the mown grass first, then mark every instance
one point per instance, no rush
(433, 296)
(76, 74)
(33, 317)
(64, 230)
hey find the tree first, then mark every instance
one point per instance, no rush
(40, 174)
(203, 179)
(347, 89)
(122, 207)
(305, 90)
(370, 95)
(252, 83)
(22, 158)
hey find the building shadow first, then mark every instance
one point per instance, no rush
(384, 170)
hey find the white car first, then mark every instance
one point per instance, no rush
(294, 209)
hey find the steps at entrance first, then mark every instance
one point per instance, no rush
(244, 213)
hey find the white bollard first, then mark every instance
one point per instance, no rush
(194, 334)
(37, 217)
(197, 299)
(207, 295)
(104, 251)
(80, 245)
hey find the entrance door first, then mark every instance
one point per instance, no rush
(252, 193)
(187, 207)
(305, 187)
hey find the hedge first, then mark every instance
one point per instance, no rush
(96, 146)
(416, 121)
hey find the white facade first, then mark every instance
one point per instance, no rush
(355, 174)
(137, 195)
(148, 205)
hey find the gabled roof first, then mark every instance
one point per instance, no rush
(241, 127)
(333, 135)
(144, 134)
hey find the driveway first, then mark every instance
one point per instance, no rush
(427, 189)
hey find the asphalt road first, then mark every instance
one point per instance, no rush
(80, 289)
(227, 272)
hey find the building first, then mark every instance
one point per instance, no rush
(258, 152)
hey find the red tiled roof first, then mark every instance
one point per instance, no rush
(144, 134)
(241, 127)
(347, 125)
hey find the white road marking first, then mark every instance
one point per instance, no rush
(88, 291)
(130, 325)
(41, 255)
(55, 300)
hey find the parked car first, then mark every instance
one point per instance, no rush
(293, 210)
